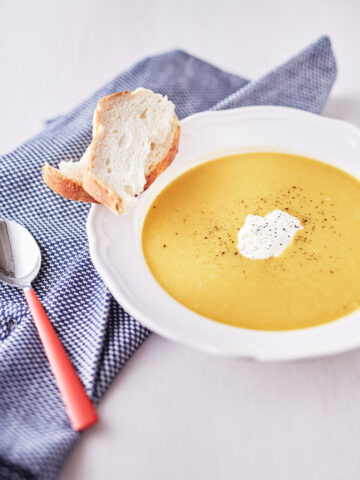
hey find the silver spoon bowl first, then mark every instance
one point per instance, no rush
(20, 256)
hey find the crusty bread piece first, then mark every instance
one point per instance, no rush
(67, 180)
(135, 137)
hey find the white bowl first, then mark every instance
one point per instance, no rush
(115, 241)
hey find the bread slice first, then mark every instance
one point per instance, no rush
(135, 137)
(67, 180)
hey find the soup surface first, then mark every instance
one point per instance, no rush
(190, 241)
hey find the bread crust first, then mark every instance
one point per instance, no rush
(65, 186)
(102, 192)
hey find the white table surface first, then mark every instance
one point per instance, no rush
(173, 412)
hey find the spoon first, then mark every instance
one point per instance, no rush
(20, 261)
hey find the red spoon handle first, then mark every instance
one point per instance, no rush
(81, 412)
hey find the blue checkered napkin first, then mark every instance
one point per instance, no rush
(35, 435)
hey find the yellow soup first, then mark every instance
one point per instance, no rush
(190, 241)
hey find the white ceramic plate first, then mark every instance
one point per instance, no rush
(115, 242)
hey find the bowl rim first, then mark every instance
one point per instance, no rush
(256, 344)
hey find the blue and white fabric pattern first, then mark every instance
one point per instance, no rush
(99, 336)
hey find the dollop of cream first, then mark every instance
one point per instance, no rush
(264, 237)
